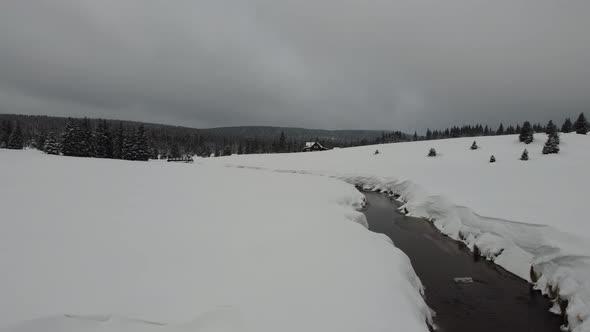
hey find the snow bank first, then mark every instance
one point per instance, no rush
(106, 245)
(546, 195)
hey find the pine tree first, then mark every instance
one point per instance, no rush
(39, 142)
(103, 144)
(551, 131)
(500, 130)
(15, 140)
(525, 155)
(566, 127)
(492, 159)
(86, 141)
(118, 141)
(5, 130)
(141, 145)
(174, 151)
(227, 150)
(69, 145)
(51, 146)
(415, 137)
(282, 143)
(581, 125)
(428, 134)
(552, 145)
(526, 133)
(129, 149)
(550, 127)
(432, 152)
(474, 146)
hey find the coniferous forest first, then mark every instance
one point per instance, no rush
(142, 141)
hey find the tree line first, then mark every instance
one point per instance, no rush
(142, 141)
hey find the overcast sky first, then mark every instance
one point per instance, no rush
(335, 64)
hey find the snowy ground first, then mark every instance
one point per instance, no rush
(104, 245)
(535, 211)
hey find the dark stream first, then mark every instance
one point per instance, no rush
(496, 301)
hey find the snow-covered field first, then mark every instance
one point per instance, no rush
(522, 214)
(104, 245)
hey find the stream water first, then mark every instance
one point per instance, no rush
(496, 301)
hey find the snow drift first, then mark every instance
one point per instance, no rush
(105, 245)
(538, 226)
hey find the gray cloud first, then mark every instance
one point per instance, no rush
(373, 64)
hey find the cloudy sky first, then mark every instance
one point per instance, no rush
(336, 64)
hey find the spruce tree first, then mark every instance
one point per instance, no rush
(552, 145)
(525, 155)
(415, 137)
(118, 141)
(103, 144)
(550, 128)
(526, 133)
(581, 125)
(551, 131)
(86, 141)
(500, 130)
(5, 130)
(128, 151)
(15, 140)
(474, 146)
(227, 150)
(69, 145)
(282, 143)
(175, 151)
(566, 127)
(432, 152)
(492, 159)
(51, 146)
(141, 145)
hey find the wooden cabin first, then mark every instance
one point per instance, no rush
(313, 146)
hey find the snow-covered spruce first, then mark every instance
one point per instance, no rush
(525, 155)
(581, 125)
(525, 229)
(474, 146)
(526, 133)
(432, 152)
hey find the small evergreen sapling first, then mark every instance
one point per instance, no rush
(474, 146)
(492, 159)
(432, 152)
(525, 155)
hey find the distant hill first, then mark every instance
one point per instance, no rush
(248, 139)
(295, 133)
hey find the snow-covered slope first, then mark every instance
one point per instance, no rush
(536, 211)
(104, 245)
